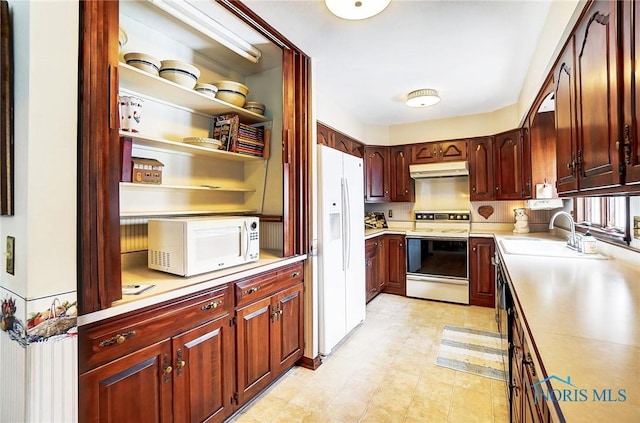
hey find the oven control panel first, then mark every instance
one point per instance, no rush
(453, 216)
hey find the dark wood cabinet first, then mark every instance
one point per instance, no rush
(441, 151)
(396, 281)
(481, 272)
(357, 149)
(335, 139)
(325, 135)
(630, 139)
(481, 177)
(376, 174)
(596, 73)
(511, 179)
(373, 267)
(402, 185)
(174, 362)
(269, 328)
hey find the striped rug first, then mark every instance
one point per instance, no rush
(472, 351)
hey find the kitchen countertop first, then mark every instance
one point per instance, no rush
(583, 318)
(167, 286)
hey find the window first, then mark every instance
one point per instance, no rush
(607, 216)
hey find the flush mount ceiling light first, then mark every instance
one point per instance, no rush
(423, 98)
(356, 9)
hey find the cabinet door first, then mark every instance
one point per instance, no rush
(481, 272)
(597, 97)
(372, 268)
(383, 264)
(566, 132)
(508, 165)
(631, 91)
(452, 151)
(424, 153)
(397, 265)
(289, 341)
(402, 186)
(254, 348)
(203, 372)
(325, 135)
(376, 174)
(342, 143)
(357, 149)
(134, 388)
(481, 169)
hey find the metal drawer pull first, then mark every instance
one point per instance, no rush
(118, 339)
(252, 290)
(295, 274)
(212, 304)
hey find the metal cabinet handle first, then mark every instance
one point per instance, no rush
(117, 339)
(211, 305)
(295, 274)
(252, 290)
(180, 363)
(529, 362)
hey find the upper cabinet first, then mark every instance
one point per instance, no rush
(630, 140)
(402, 185)
(195, 179)
(377, 171)
(596, 70)
(442, 151)
(512, 180)
(481, 176)
(339, 141)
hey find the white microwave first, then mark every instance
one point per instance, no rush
(193, 245)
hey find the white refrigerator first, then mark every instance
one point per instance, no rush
(342, 302)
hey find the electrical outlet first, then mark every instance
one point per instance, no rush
(636, 227)
(11, 243)
(390, 213)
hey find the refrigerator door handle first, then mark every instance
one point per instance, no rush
(343, 195)
(347, 230)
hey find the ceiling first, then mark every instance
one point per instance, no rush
(474, 53)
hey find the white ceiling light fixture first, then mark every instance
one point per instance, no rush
(208, 27)
(356, 9)
(423, 98)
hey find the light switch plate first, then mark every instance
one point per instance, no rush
(11, 243)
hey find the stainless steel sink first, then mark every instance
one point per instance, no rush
(544, 248)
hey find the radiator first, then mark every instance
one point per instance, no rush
(52, 388)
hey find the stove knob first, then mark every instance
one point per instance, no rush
(459, 216)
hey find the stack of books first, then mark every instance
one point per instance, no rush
(250, 140)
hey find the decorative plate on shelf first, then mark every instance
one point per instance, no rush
(203, 142)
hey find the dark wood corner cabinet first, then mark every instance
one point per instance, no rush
(99, 259)
(197, 358)
(481, 272)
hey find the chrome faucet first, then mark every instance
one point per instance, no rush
(573, 240)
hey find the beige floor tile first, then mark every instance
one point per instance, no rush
(386, 372)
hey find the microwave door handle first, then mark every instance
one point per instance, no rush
(246, 239)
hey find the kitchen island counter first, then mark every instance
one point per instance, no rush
(582, 318)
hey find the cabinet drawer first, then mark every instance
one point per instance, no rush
(261, 286)
(108, 340)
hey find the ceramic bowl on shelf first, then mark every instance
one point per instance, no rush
(255, 107)
(232, 92)
(122, 37)
(206, 89)
(203, 142)
(181, 73)
(143, 62)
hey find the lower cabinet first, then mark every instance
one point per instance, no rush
(481, 272)
(269, 331)
(525, 407)
(373, 267)
(194, 359)
(396, 282)
(385, 265)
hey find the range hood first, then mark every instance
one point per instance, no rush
(438, 170)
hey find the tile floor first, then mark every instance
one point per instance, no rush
(385, 371)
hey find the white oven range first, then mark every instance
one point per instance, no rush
(437, 256)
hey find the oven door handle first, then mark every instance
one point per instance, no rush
(421, 278)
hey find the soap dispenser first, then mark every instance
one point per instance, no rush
(589, 243)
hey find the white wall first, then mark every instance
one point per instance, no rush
(46, 79)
